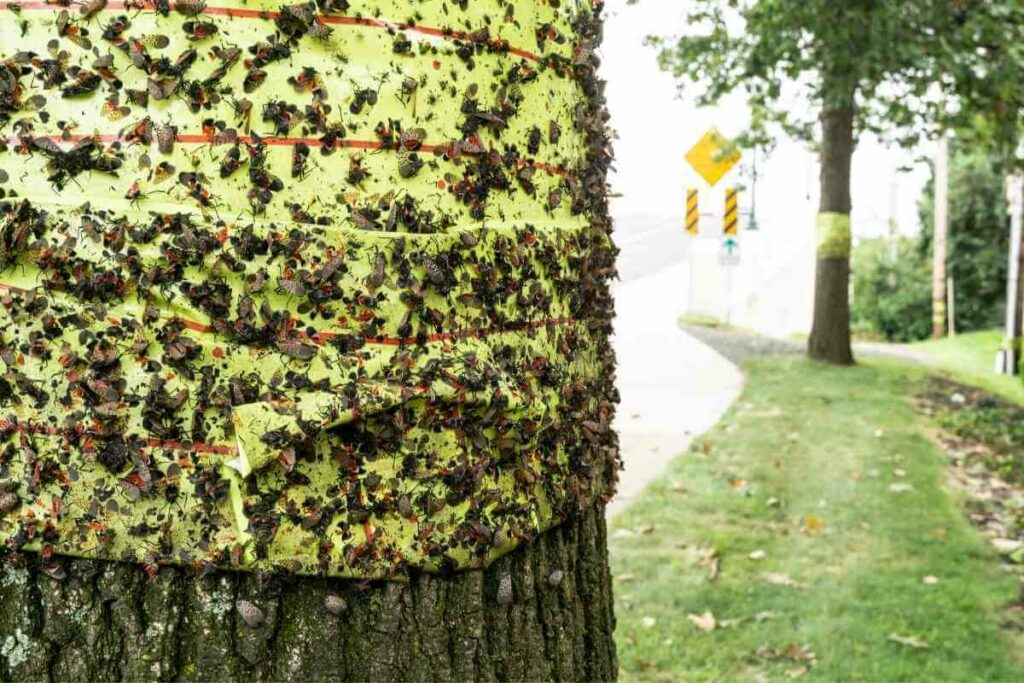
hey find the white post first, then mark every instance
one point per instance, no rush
(951, 305)
(1007, 360)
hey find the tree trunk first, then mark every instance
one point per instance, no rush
(543, 611)
(830, 335)
(110, 621)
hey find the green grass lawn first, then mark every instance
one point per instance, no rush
(826, 475)
(971, 358)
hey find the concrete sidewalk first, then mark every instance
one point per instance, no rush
(673, 387)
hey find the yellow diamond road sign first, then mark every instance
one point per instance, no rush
(713, 156)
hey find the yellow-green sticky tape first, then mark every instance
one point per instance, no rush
(301, 287)
(834, 236)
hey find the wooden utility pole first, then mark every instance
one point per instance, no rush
(941, 238)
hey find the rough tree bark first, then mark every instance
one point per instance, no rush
(830, 335)
(110, 621)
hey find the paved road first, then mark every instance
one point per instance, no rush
(673, 387)
(648, 245)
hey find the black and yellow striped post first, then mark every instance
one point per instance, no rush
(731, 222)
(692, 212)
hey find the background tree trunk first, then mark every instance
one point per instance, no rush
(110, 621)
(830, 335)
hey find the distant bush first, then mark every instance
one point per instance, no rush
(891, 291)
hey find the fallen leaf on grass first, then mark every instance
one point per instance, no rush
(1006, 545)
(899, 472)
(793, 651)
(908, 641)
(648, 622)
(715, 569)
(738, 484)
(900, 488)
(813, 525)
(774, 412)
(705, 622)
(930, 580)
(772, 502)
(757, 555)
(624, 578)
(793, 674)
(779, 579)
(766, 615)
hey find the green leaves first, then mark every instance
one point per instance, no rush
(910, 67)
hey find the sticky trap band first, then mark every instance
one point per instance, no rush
(316, 287)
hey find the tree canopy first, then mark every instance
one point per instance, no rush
(907, 67)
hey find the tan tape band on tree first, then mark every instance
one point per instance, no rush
(301, 287)
(834, 235)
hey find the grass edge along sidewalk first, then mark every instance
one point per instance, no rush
(810, 535)
(970, 358)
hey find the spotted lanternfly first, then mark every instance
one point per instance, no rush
(554, 132)
(356, 173)
(189, 8)
(199, 30)
(162, 172)
(134, 193)
(230, 162)
(85, 82)
(505, 589)
(409, 164)
(114, 30)
(411, 140)
(251, 614)
(112, 109)
(402, 44)
(300, 154)
(90, 7)
(533, 144)
(141, 132)
(165, 137)
(8, 502)
(66, 28)
(253, 80)
(140, 98)
(162, 88)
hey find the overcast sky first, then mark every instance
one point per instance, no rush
(656, 128)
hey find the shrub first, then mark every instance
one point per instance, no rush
(891, 290)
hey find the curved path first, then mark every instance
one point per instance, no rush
(673, 386)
